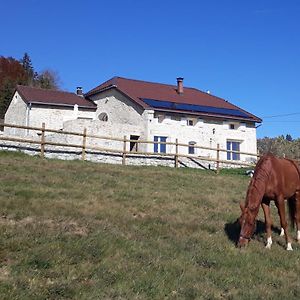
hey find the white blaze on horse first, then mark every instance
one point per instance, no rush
(276, 179)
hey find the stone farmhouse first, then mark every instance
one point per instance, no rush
(141, 110)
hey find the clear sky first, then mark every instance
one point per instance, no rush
(247, 52)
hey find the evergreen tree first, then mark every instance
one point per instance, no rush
(28, 68)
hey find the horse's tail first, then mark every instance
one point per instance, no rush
(292, 211)
(292, 201)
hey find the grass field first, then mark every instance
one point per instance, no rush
(78, 230)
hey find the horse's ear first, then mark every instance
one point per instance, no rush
(242, 206)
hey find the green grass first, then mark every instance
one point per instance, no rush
(78, 230)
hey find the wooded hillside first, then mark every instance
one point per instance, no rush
(280, 146)
(14, 72)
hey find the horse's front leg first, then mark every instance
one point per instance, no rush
(281, 211)
(268, 222)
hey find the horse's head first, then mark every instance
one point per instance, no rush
(247, 223)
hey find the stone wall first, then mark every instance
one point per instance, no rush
(70, 153)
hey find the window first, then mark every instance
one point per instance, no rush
(233, 146)
(160, 148)
(231, 126)
(133, 144)
(103, 117)
(160, 118)
(190, 122)
(192, 147)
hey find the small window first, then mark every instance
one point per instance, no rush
(133, 144)
(160, 118)
(190, 122)
(192, 147)
(103, 117)
(231, 126)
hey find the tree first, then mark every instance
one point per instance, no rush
(48, 79)
(280, 146)
(11, 68)
(289, 138)
(6, 93)
(11, 74)
(28, 68)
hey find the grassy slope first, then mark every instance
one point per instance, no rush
(77, 230)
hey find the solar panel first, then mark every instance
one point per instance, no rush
(195, 108)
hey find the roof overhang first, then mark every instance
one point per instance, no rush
(59, 105)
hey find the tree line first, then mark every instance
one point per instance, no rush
(14, 72)
(283, 146)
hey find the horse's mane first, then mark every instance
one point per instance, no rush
(259, 180)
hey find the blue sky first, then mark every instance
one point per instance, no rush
(247, 52)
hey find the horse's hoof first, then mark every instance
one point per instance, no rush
(268, 247)
(289, 247)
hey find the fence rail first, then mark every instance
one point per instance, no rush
(41, 140)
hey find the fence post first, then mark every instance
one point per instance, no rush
(43, 141)
(124, 151)
(218, 158)
(176, 154)
(83, 144)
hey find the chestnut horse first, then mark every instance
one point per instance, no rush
(273, 179)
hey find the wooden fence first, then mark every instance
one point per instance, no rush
(123, 151)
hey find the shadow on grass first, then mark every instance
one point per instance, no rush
(233, 229)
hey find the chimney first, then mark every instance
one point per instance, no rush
(180, 85)
(79, 91)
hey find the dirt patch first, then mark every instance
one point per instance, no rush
(4, 273)
(66, 226)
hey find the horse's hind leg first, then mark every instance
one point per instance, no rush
(268, 222)
(281, 211)
(281, 232)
